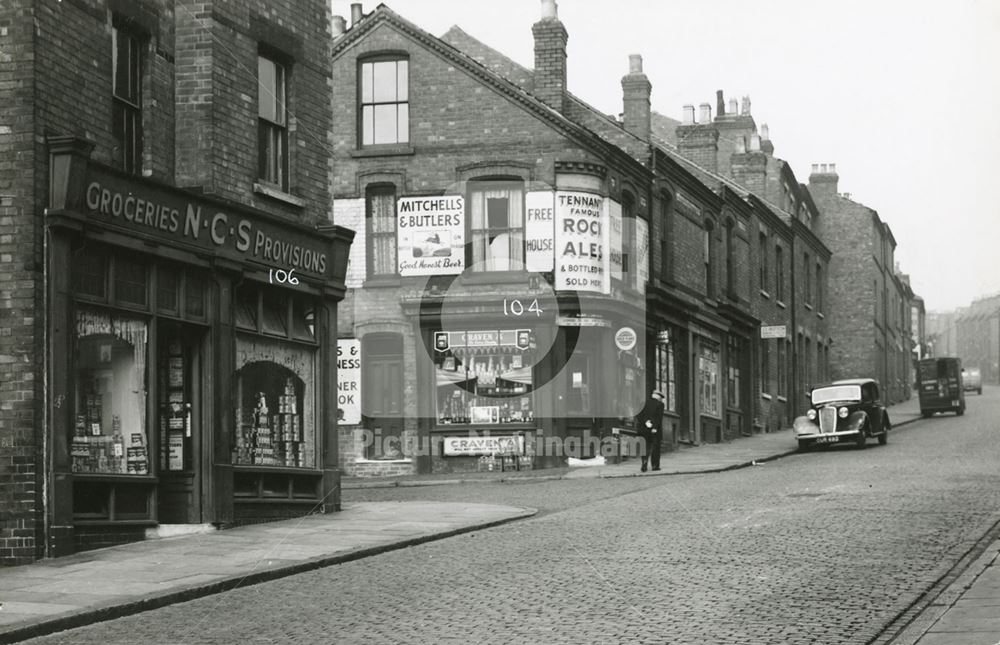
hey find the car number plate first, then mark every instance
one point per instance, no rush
(828, 440)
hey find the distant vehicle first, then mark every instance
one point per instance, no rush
(972, 379)
(940, 386)
(843, 412)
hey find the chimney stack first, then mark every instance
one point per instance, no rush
(720, 104)
(357, 13)
(733, 107)
(338, 26)
(706, 113)
(745, 108)
(823, 181)
(754, 142)
(765, 140)
(550, 57)
(636, 90)
(688, 115)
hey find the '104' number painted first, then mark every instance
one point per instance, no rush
(515, 307)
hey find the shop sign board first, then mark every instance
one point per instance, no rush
(348, 381)
(539, 228)
(582, 321)
(500, 445)
(773, 331)
(431, 235)
(580, 242)
(641, 254)
(182, 219)
(614, 238)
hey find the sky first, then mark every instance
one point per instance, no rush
(903, 95)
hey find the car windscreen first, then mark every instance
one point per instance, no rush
(836, 393)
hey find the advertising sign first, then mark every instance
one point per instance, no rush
(580, 242)
(431, 234)
(614, 238)
(641, 253)
(348, 381)
(773, 331)
(626, 339)
(504, 445)
(539, 223)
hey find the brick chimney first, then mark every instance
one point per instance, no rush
(636, 89)
(550, 57)
(823, 181)
(699, 141)
(765, 140)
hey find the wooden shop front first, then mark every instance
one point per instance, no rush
(191, 358)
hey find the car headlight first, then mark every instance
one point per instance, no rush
(842, 413)
(811, 415)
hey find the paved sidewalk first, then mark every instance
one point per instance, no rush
(53, 595)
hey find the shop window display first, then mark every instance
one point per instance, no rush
(275, 416)
(484, 376)
(110, 424)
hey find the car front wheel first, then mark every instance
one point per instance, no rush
(861, 440)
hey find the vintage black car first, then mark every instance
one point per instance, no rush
(843, 412)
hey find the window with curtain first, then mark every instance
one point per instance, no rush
(380, 219)
(496, 223)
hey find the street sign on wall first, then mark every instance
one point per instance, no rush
(773, 331)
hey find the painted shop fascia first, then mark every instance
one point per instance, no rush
(191, 356)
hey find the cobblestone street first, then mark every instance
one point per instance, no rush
(824, 547)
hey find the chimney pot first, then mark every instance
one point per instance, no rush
(833, 168)
(815, 168)
(688, 115)
(635, 64)
(765, 132)
(357, 13)
(706, 113)
(754, 142)
(745, 108)
(550, 11)
(733, 107)
(339, 26)
(822, 168)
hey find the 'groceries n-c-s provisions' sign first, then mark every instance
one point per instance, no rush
(579, 237)
(173, 216)
(431, 234)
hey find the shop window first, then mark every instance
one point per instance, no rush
(496, 226)
(274, 319)
(272, 128)
(271, 311)
(708, 379)
(90, 271)
(127, 46)
(130, 282)
(484, 376)
(303, 319)
(666, 375)
(110, 400)
(384, 106)
(168, 291)
(247, 301)
(275, 413)
(380, 218)
(194, 296)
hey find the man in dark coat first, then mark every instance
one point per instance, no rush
(649, 425)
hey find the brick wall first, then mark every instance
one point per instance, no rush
(20, 292)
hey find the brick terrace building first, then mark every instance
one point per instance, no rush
(165, 171)
(977, 332)
(869, 316)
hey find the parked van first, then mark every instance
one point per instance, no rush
(941, 386)
(972, 379)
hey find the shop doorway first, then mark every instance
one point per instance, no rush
(581, 403)
(179, 413)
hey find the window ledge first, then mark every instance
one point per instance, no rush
(384, 151)
(278, 194)
(382, 281)
(493, 277)
(384, 461)
(783, 399)
(820, 314)
(781, 304)
(765, 294)
(765, 395)
(807, 306)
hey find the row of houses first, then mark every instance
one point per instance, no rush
(971, 333)
(247, 248)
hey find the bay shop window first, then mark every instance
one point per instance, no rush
(484, 376)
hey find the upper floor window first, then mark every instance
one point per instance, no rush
(763, 262)
(380, 220)
(126, 61)
(708, 252)
(807, 271)
(385, 108)
(730, 258)
(666, 231)
(779, 270)
(819, 287)
(496, 226)
(629, 250)
(272, 127)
